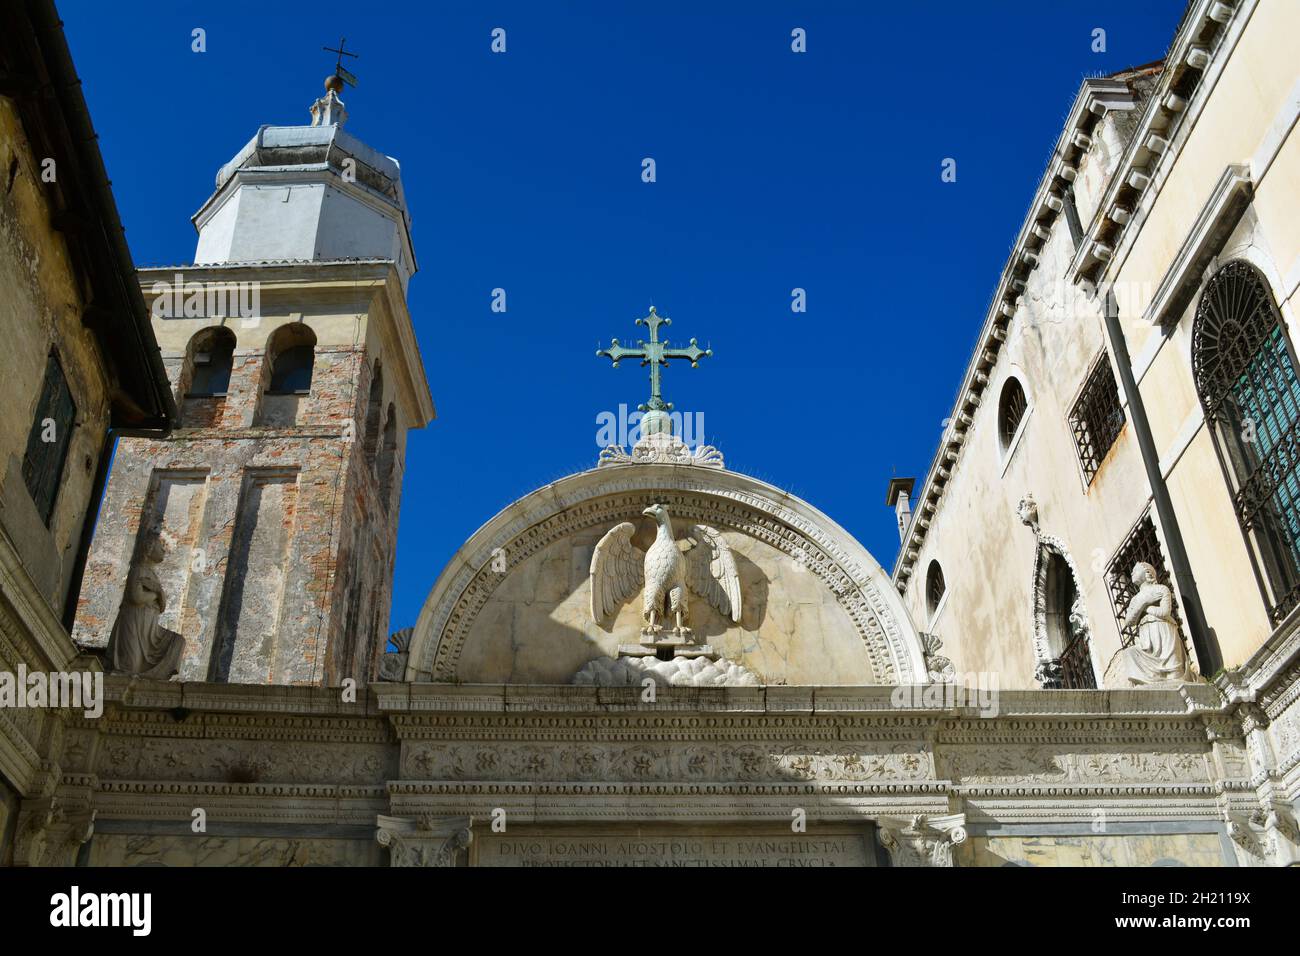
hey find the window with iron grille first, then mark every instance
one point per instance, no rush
(1011, 409)
(1245, 371)
(48, 440)
(1097, 418)
(1140, 545)
(934, 587)
(1076, 666)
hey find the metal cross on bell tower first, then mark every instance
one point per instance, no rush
(655, 354)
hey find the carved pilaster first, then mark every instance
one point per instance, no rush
(424, 841)
(921, 840)
(50, 833)
(1266, 835)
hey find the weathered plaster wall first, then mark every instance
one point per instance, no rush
(1248, 116)
(40, 310)
(1245, 110)
(986, 619)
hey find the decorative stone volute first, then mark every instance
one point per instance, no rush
(424, 841)
(922, 840)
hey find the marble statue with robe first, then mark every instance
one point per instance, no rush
(138, 645)
(1156, 656)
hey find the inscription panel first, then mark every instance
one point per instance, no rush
(676, 847)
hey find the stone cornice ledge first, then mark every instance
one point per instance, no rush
(1270, 671)
(139, 693)
(879, 700)
(1165, 126)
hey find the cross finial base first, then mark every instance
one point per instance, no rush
(328, 110)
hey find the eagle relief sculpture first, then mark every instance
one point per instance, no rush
(701, 562)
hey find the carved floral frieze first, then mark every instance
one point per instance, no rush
(242, 761)
(643, 762)
(1052, 765)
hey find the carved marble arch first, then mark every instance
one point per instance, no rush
(818, 608)
(1059, 612)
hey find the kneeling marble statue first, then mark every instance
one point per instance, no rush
(1156, 656)
(139, 646)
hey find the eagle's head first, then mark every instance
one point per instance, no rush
(658, 512)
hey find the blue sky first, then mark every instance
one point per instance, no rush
(775, 170)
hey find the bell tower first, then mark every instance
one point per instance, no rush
(293, 358)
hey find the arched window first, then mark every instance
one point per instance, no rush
(1061, 620)
(934, 587)
(1011, 409)
(292, 353)
(374, 412)
(1245, 372)
(388, 457)
(211, 354)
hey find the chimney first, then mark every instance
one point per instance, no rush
(900, 499)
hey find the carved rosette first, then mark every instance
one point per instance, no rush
(921, 840)
(424, 841)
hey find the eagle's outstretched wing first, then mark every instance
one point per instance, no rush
(711, 571)
(617, 570)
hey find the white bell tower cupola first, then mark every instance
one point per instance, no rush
(307, 193)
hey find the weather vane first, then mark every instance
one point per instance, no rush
(339, 71)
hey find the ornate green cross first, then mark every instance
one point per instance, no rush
(655, 354)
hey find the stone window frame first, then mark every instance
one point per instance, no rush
(1047, 655)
